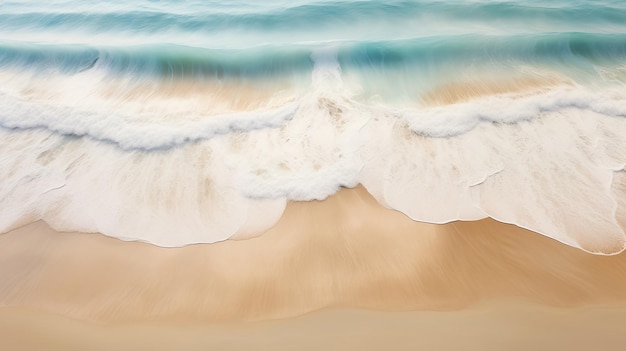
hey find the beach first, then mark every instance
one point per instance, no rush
(319, 263)
(507, 325)
(313, 174)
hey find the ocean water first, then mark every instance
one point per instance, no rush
(193, 122)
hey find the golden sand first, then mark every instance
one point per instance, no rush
(462, 91)
(214, 95)
(501, 325)
(344, 252)
(184, 95)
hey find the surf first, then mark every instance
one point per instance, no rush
(175, 141)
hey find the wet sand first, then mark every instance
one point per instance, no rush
(346, 252)
(464, 91)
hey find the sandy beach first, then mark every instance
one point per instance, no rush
(502, 325)
(312, 175)
(344, 253)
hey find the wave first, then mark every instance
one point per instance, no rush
(307, 16)
(359, 71)
(178, 141)
(551, 173)
(134, 131)
(582, 51)
(242, 26)
(156, 60)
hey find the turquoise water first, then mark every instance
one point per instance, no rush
(185, 122)
(276, 37)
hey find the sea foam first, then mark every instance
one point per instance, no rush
(179, 140)
(547, 166)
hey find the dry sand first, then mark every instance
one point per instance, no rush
(502, 325)
(497, 283)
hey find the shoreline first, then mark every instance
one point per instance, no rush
(342, 273)
(343, 252)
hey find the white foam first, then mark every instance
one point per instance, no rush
(550, 174)
(168, 198)
(546, 162)
(124, 129)
(308, 158)
(450, 120)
